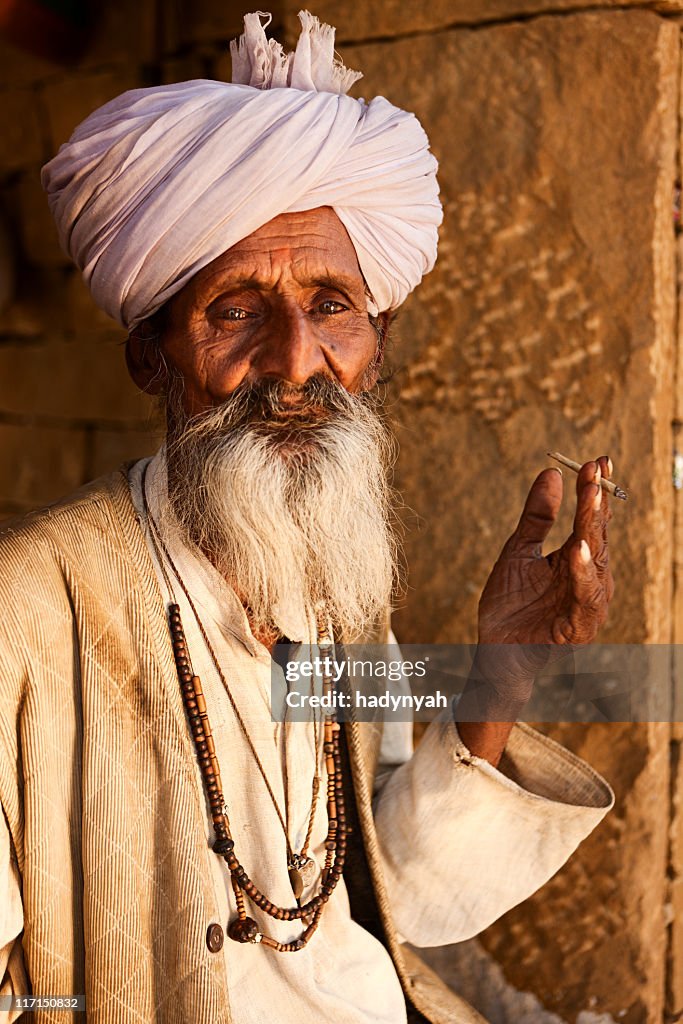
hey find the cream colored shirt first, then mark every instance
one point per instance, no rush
(462, 841)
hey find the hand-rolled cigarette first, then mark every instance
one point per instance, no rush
(606, 485)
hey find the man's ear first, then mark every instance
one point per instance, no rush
(145, 361)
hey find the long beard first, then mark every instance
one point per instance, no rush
(296, 512)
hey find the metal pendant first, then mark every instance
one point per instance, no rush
(301, 873)
(307, 870)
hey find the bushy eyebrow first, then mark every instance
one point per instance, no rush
(338, 282)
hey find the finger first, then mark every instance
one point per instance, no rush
(604, 470)
(603, 514)
(606, 467)
(592, 511)
(539, 513)
(590, 599)
(588, 493)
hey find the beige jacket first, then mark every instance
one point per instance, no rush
(99, 789)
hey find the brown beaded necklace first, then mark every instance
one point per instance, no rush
(244, 928)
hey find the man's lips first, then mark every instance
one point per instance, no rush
(295, 414)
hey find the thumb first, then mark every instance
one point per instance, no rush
(540, 511)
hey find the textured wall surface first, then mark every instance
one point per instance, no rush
(393, 18)
(550, 322)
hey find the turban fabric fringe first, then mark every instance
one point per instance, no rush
(160, 181)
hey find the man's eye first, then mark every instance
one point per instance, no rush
(234, 313)
(329, 306)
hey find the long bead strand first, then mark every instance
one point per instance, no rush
(244, 928)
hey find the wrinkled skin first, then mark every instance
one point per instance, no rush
(555, 600)
(289, 302)
(562, 598)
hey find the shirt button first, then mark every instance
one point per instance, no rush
(214, 938)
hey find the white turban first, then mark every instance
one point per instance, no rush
(159, 182)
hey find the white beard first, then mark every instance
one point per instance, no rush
(294, 516)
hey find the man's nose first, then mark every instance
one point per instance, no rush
(293, 350)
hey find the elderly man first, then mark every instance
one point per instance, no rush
(167, 851)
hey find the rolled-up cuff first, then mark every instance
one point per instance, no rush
(531, 761)
(463, 842)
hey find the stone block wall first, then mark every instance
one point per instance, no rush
(551, 321)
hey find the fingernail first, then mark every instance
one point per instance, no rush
(557, 469)
(585, 553)
(598, 474)
(610, 467)
(597, 500)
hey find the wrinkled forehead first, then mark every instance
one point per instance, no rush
(306, 248)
